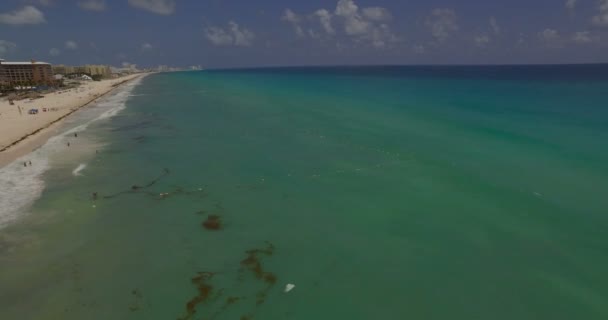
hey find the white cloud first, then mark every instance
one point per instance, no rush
(295, 20)
(54, 52)
(602, 18)
(354, 24)
(218, 36)
(442, 23)
(548, 35)
(242, 37)
(25, 15)
(325, 20)
(377, 14)
(551, 38)
(494, 25)
(361, 27)
(92, 5)
(6, 47)
(164, 7)
(481, 40)
(570, 4)
(234, 35)
(146, 46)
(582, 37)
(71, 45)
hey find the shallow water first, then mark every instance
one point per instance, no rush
(380, 193)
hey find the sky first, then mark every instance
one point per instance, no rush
(239, 33)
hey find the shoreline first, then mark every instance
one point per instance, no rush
(40, 135)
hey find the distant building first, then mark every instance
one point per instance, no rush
(25, 73)
(98, 70)
(90, 69)
(63, 70)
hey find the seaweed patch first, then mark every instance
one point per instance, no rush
(252, 264)
(204, 290)
(143, 189)
(213, 223)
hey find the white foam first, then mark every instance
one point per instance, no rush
(79, 169)
(21, 185)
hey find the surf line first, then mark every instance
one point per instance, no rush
(79, 169)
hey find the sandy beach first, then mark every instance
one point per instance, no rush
(20, 132)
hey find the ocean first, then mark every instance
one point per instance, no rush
(377, 192)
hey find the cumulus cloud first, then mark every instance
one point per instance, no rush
(602, 18)
(7, 47)
(295, 20)
(163, 7)
(442, 23)
(494, 25)
(354, 24)
(71, 45)
(25, 15)
(92, 5)
(582, 37)
(549, 35)
(377, 14)
(234, 35)
(54, 52)
(551, 38)
(325, 20)
(364, 25)
(146, 46)
(570, 4)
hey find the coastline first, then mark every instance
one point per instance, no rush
(28, 139)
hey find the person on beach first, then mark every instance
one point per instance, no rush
(75, 135)
(68, 144)
(29, 163)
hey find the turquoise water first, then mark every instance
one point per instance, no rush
(381, 193)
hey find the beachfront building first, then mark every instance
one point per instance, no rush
(89, 69)
(3, 77)
(63, 69)
(98, 70)
(25, 73)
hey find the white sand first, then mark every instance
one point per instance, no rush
(22, 133)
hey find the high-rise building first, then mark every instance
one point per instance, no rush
(62, 69)
(98, 70)
(90, 69)
(25, 73)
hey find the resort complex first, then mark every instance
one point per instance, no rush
(25, 73)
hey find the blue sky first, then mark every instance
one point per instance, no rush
(238, 33)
